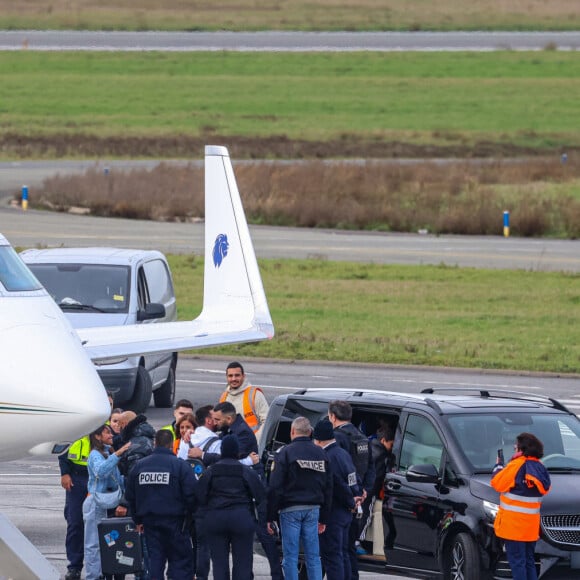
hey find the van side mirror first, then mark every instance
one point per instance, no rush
(424, 473)
(151, 311)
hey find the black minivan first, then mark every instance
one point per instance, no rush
(436, 516)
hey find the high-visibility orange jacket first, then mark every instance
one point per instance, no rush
(522, 483)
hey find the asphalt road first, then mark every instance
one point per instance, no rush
(286, 41)
(27, 229)
(32, 498)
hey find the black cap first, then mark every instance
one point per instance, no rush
(324, 431)
(230, 447)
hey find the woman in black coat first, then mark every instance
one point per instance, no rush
(233, 496)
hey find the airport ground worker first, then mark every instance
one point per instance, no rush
(334, 544)
(232, 495)
(300, 494)
(74, 477)
(161, 495)
(522, 483)
(250, 402)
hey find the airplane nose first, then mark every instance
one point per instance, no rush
(50, 386)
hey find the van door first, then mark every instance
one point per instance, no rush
(413, 508)
(155, 286)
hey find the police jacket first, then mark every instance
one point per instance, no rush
(141, 435)
(228, 484)
(344, 481)
(522, 483)
(346, 436)
(160, 486)
(300, 475)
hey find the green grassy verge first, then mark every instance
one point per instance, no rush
(293, 15)
(424, 315)
(519, 99)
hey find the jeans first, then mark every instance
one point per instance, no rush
(295, 526)
(520, 556)
(92, 515)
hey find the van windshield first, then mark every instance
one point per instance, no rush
(86, 287)
(480, 436)
(14, 275)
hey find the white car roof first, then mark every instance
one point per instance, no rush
(110, 256)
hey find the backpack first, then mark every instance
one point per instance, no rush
(198, 466)
(358, 448)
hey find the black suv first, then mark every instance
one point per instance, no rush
(438, 504)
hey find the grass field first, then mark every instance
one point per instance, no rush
(409, 315)
(457, 102)
(291, 15)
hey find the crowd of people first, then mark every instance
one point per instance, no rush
(196, 491)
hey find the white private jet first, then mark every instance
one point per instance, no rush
(50, 393)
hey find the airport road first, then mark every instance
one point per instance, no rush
(46, 229)
(277, 41)
(31, 495)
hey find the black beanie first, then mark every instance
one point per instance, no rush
(230, 447)
(323, 431)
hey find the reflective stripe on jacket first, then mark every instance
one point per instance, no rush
(522, 483)
(78, 452)
(248, 407)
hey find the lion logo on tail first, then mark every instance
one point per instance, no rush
(220, 249)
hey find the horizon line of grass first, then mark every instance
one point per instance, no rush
(420, 315)
(519, 98)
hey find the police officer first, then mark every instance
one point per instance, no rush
(229, 491)
(74, 477)
(334, 544)
(300, 492)
(161, 495)
(357, 445)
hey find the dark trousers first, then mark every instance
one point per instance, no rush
(334, 546)
(231, 528)
(169, 543)
(520, 556)
(73, 514)
(353, 536)
(202, 556)
(271, 549)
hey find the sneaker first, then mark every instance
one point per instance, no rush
(360, 551)
(73, 574)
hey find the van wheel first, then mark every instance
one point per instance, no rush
(164, 396)
(142, 393)
(462, 559)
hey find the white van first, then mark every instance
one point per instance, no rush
(111, 286)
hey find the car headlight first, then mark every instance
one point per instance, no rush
(109, 361)
(490, 510)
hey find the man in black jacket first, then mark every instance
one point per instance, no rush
(300, 493)
(357, 444)
(161, 494)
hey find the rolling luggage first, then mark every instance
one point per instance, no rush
(121, 546)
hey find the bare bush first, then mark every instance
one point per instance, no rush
(443, 197)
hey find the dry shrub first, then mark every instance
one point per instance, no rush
(441, 196)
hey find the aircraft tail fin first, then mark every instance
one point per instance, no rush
(232, 282)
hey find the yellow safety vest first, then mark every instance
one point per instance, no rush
(78, 452)
(170, 428)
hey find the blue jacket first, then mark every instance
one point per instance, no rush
(300, 475)
(344, 487)
(103, 472)
(161, 485)
(229, 484)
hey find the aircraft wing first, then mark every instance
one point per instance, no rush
(235, 308)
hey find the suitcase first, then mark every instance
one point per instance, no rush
(121, 546)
